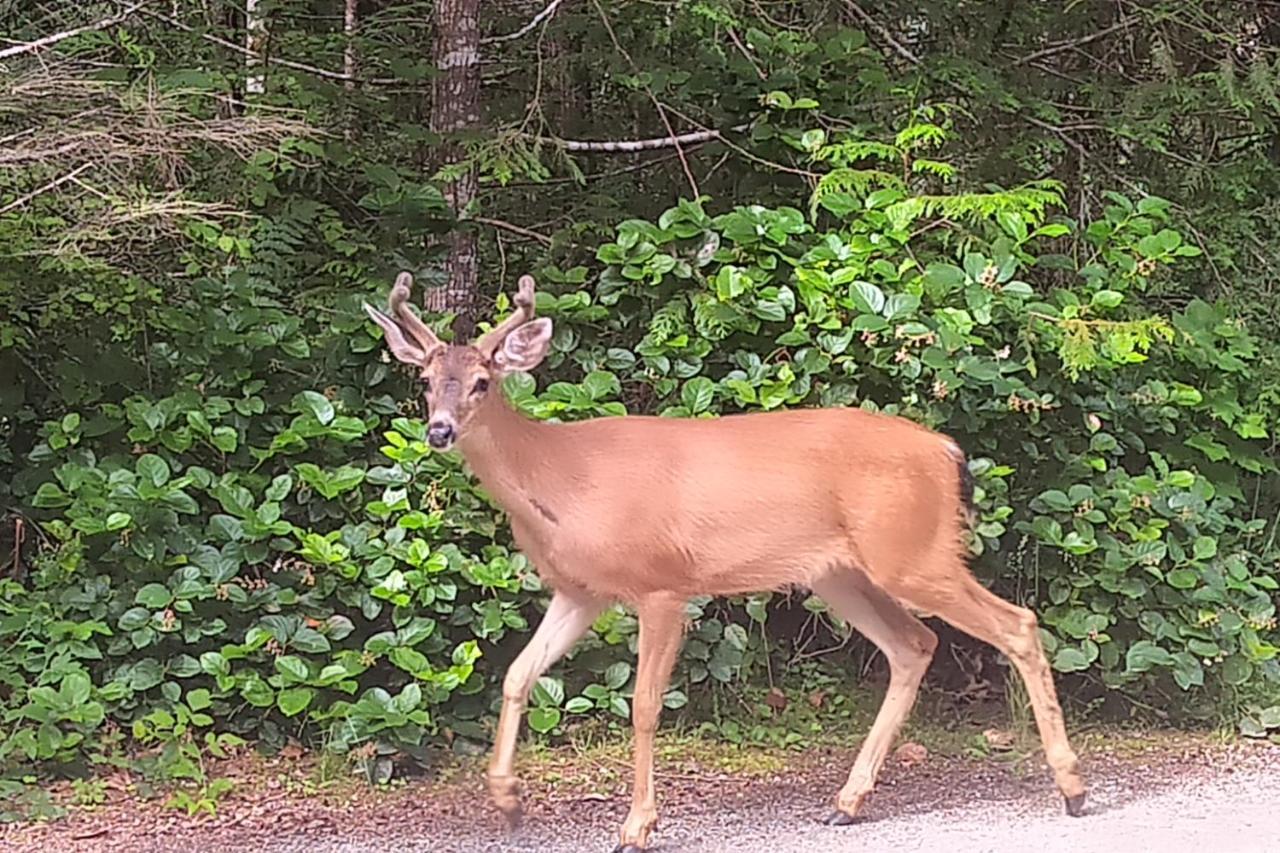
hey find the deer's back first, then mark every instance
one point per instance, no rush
(735, 504)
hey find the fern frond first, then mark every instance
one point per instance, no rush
(670, 320)
(852, 150)
(920, 135)
(854, 181)
(1032, 200)
(934, 167)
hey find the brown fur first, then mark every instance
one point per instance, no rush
(868, 510)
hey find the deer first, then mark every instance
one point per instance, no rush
(868, 511)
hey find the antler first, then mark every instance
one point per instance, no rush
(399, 303)
(489, 342)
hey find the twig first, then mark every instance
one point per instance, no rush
(513, 228)
(882, 31)
(633, 145)
(779, 167)
(591, 176)
(537, 19)
(746, 54)
(66, 34)
(1074, 43)
(54, 184)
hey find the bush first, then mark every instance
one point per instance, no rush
(247, 533)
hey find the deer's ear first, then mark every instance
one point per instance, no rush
(396, 341)
(525, 346)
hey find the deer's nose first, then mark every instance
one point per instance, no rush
(440, 435)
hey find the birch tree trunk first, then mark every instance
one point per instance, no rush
(350, 21)
(254, 41)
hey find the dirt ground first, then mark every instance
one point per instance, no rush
(1163, 793)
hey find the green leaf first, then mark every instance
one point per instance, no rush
(1236, 670)
(697, 394)
(134, 618)
(899, 305)
(600, 384)
(1144, 654)
(674, 700)
(1205, 548)
(279, 488)
(225, 438)
(75, 689)
(736, 636)
(548, 692)
(543, 720)
(295, 700)
(309, 640)
(198, 699)
(617, 675)
(153, 595)
(152, 469)
(317, 404)
(867, 298)
(145, 674)
(293, 668)
(213, 663)
(579, 705)
(1070, 659)
(1106, 299)
(118, 521)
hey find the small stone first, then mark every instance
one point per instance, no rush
(910, 754)
(997, 739)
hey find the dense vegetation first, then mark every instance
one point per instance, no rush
(1050, 233)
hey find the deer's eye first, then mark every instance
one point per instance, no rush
(481, 386)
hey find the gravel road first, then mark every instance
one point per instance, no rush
(1224, 800)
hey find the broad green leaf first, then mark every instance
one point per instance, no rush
(295, 700)
(154, 595)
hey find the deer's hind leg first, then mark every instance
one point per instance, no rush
(958, 598)
(907, 643)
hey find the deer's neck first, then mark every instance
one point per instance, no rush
(507, 451)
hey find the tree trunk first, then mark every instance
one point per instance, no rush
(455, 106)
(350, 20)
(255, 29)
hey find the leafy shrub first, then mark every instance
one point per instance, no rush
(256, 538)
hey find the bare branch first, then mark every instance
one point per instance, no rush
(527, 28)
(513, 228)
(883, 32)
(633, 145)
(1074, 43)
(39, 44)
(52, 185)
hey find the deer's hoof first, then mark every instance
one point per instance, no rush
(839, 818)
(628, 848)
(1075, 805)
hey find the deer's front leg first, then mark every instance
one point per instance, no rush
(568, 617)
(661, 630)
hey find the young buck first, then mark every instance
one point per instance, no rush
(868, 511)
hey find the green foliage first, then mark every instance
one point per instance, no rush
(234, 527)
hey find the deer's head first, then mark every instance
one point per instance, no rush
(456, 378)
